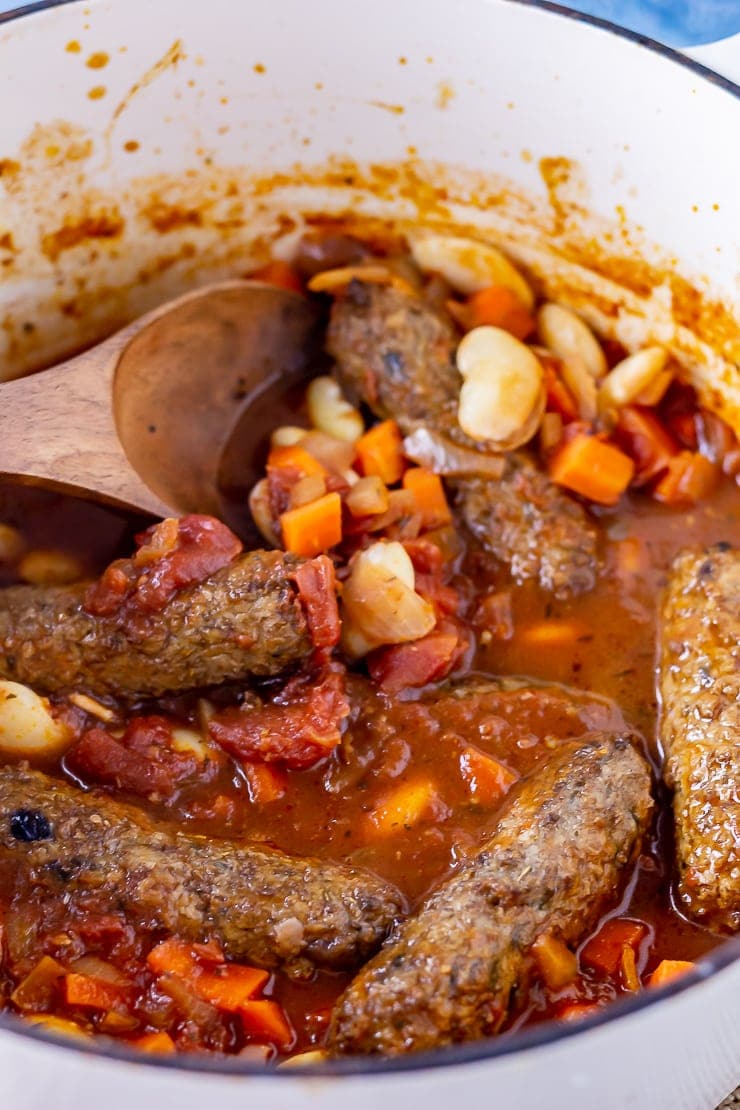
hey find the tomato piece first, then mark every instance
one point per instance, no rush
(603, 952)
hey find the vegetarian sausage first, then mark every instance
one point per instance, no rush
(263, 906)
(700, 728)
(397, 354)
(246, 619)
(447, 974)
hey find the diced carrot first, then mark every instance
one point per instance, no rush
(414, 664)
(54, 1024)
(668, 970)
(280, 274)
(403, 808)
(95, 994)
(266, 783)
(603, 952)
(690, 477)
(267, 1020)
(640, 433)
(596, 470)
(487, 779)
(38, 989)
(558, 966)
(559, 397)
(500, 308)
(429, 495)
(230, 987)
(379, 451)
(553, 633)
(296, 458)
(158, 1044)
(631, 557)
(628, 969)
(314, 528)
(576, 1011)
(172, 957)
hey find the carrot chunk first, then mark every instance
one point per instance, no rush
(280, 274)
(159, 1044)
(312, 529)
(94, 994)
(296, 458)
(379, 451)
(689, 478)
(404, 807)
(501, 308)
(172, 957)
(553, 633)
(231, 986)
(487, 779)
(603, 952)
(429, 496)
(266, 1020)
(557, 965)
(266, 783)
(596, 470)
(668, 970)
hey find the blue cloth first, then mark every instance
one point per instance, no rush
(676, 22)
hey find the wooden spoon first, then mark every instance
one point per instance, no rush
(141, 420)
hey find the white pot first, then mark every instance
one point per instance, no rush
(124, 184)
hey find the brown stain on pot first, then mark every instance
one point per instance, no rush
(98, 60)
(97, 92)
(169, 60)
(101, 225)
(73, 47)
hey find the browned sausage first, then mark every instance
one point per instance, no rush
(700, 728)
(396, 353)
(263, 906)
(446, 975)
(246, 619)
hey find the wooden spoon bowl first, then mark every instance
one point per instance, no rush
(141, 420)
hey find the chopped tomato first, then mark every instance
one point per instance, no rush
(171, 556)
(317, 589)
(300, 726)
(640, 433)
(559, 397)
(141, 761)
(415, 664)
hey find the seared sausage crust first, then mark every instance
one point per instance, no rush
(263, 906)
(700, 728)
(446, 975)
(244, 620)
(397, 354)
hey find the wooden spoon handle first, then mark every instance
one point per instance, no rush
(57, 429)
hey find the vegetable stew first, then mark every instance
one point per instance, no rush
(375, 764)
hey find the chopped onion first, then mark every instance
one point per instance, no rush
(445, 458)
(380, 603)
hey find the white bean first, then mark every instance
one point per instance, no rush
(259, 507)
(330, 411)
(287, 435)
(189, 742)
(468, 265)
(27, 727)
(631, 376)
(582, 386)
(380, 604)
(372, 273)
(571, 339)
(12, 544)
(503, 396)
(42, 567)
